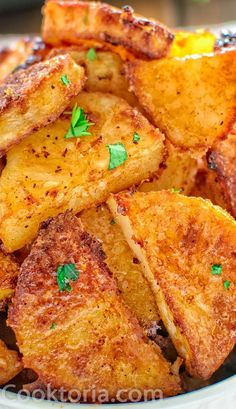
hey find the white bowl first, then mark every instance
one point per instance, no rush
(221, 395)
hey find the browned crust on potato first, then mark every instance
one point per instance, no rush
(68, 21)
(95, 341)
(222, 161)
(10, 364)
(40, 84)
(173, 100)
(9, 270)
(180, 239)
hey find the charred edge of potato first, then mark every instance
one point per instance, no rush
(21, 93)
(90, 20)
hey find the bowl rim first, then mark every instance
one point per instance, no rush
(227, 385)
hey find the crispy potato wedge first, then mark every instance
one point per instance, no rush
(222, 160)
(9, 270)
(105, 73)
(68, 22)
(47, 174)
(24, 92)
(123, 264)
(179, 172)
(100, 343)
(21, 55)
(179, 239)
(10, 364)
(188, 43)
(192, 100)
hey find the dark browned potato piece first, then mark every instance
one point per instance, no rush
(10, 364)
(9, 270)
(70, 21)
(179, 239)
(24, 92)
(86, 336)
(192, 99)
(222, 162)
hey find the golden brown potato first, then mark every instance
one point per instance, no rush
(192, 100)
(123, 264)
(178, 172)
(10, 364)
(69, 22)
(222, 161)
(47, 174)
(82, 336)
(187, 249)
(9, 270)
(40, 86)
(196, 42)
(21, 54)
(105, 73)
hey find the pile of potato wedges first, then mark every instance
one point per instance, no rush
(117, 206)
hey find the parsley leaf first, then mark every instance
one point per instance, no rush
(65, 80)
(65, 274)
(92, 54)
(118, 155)
(227, 284)
(216, 269)
(53, 326)
(175, 190)
(113, 222)
(136, 138)
(79, 124)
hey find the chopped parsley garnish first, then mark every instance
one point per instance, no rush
(91, 54)
(65, 80)
(53, 326)
(65, 274)
(79, 124)
(216, 269)
(118, 155)
(113, 222)
(227, 284)
(136, 138)
(175, 190)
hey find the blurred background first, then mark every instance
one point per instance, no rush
(23, 16)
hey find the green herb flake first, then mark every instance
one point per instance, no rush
(91, 54)
(136, 138)
(113, 222)
(118, 155)
(65, 80)
(175, 190)
(216, 269)
(53, 326)
(227, 284)
(66, 274)
(79, 124)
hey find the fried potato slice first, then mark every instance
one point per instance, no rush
(47, 174)
(86, 336)
(69, 22)
(197, 42)
(222, 160)
(9, 270)
(10, 364)
(105, 73)
(21, 54)
(179, 172)
(24, 92)
(179, 239)
(192, 100)
(123, 264)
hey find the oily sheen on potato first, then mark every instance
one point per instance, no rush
(70, 21)
(22, 93)
(47, 174)
(192, 99)
(187, 249)
(125, 267)
(83, 337)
